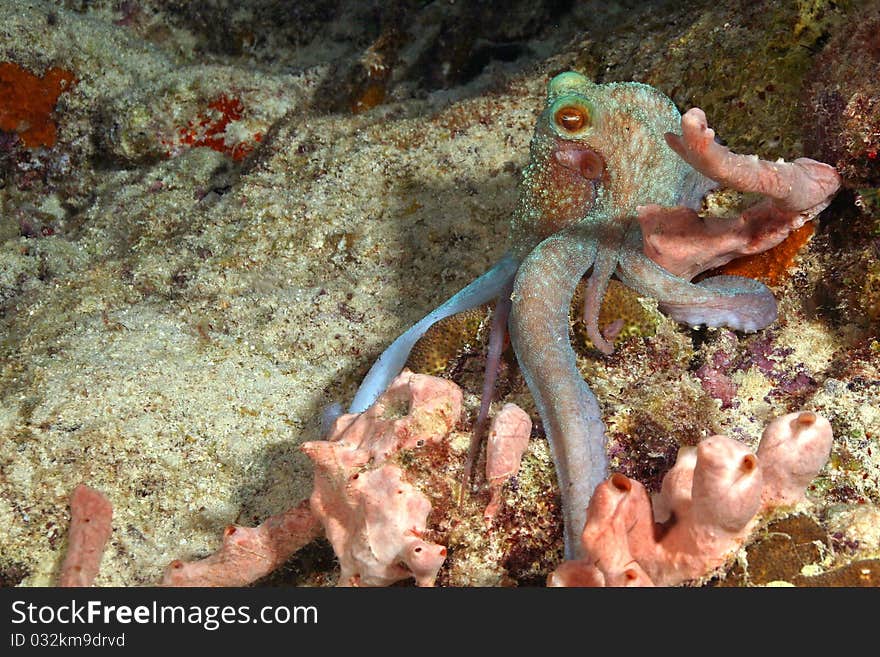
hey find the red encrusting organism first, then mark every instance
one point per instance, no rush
(27, 102)
(208, 129)
(771, 266)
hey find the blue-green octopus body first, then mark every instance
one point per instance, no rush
(597, 154)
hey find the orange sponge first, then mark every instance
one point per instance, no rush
(27, 102)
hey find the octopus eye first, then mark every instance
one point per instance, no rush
(571, 118)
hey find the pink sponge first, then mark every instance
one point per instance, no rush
(373, 518)
(708, 504)
(248, 553)
(684, 243)
(508, 440)
(90, 529)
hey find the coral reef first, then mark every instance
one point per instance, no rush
(173, 320)
(697, 57)
(841, 100)
(708, 504)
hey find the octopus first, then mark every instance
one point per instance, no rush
(614, 188)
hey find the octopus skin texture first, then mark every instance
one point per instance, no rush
(613, 187)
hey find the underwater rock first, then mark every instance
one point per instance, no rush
(841, 100)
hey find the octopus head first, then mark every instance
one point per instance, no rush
(612, 134)
(568, 119)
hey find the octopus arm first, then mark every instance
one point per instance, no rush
(389, 364)
(604, 264)
(739, 303)
(497, 335)
(539, 324)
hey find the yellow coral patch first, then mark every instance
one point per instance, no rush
(448, 339)
(454, 336)
(620, 303)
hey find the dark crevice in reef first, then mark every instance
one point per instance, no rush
(12, 574)
(315, 560)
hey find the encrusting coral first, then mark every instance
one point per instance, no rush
(708, 504)
(27, 102)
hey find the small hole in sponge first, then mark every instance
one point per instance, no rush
(621, 482)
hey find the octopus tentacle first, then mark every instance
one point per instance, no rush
(497, 334)
(740, 303)
(539, 324)
(482, 290)
(603, 269)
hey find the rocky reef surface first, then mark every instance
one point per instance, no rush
(214, 216)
